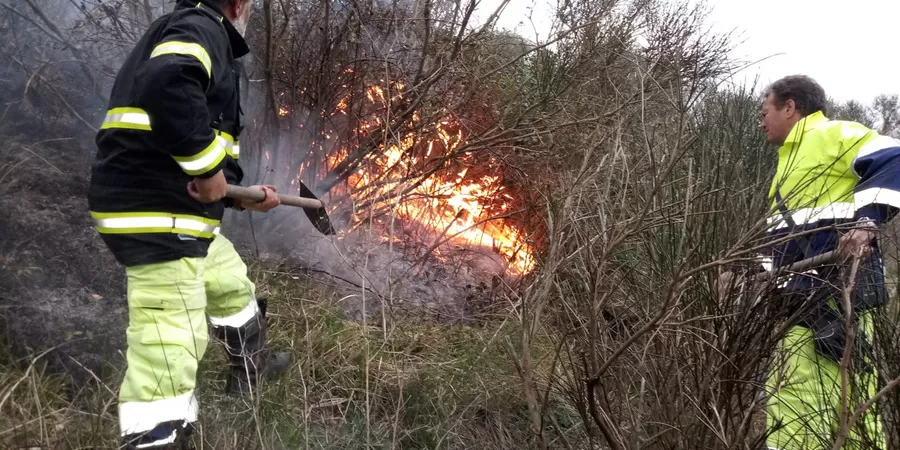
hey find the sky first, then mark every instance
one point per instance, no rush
(849, 47)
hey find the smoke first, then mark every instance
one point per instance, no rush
(63, 57)
(320, 106)
(373, 263)
(390, 261)
(387, 262)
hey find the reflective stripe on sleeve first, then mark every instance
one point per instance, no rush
(809, 216)
(130, 118)
(876, 145)
(137, 417)
(877, 195)
(185, 48)
(205, 160)
(232, 148)
(150, 222)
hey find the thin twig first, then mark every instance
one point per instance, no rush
(850, 326)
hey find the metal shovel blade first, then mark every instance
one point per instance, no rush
(317, 216)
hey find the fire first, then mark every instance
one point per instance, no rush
(283, 111)
(455, 205)
(461, 209)
(342, 105)
(375, 91)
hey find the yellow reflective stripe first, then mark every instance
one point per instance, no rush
(112, 215)
(185, 48)
(231, 146)
(221, 18)
(130, 118)
(151, 222)
(225, 135)
(206, 160)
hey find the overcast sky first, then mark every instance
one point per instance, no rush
(850, 47)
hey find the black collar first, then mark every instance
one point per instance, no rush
(239, 45)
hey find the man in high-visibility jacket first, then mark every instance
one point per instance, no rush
(166, 153)
(836, 182)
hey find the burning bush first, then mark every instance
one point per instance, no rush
(605, 166)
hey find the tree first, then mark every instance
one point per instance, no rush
(887, 109)
(852, 110)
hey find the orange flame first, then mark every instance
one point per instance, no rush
(342, 105)
(460, 209)
(283, 111)
(375, 91)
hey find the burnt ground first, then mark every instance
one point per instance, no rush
(60, 288)
(62, 291)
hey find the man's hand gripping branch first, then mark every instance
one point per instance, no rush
(857, 242)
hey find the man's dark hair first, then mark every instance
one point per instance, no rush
(808, 96)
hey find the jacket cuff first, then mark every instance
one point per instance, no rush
(876, 212)
(206, 162)
(232, 203)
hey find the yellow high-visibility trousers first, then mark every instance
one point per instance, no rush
(804, 408)
(167, 331)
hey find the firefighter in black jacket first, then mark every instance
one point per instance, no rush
(166, 152)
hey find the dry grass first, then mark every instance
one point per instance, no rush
(413, 385)
(647, 182)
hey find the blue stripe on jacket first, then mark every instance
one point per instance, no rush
(877, 193)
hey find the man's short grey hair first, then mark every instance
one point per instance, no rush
(807, 94)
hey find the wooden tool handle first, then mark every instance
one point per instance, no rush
(243, 193)
(801, 266)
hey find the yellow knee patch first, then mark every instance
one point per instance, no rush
(228, 288)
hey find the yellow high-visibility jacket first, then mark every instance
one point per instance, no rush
(830, 172)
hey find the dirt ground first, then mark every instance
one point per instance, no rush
(60, 289)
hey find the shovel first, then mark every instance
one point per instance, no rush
(312, 206)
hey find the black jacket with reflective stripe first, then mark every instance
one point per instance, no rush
(174, 113)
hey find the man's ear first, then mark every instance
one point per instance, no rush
(789, 107)
(239, 6)
(229, 7)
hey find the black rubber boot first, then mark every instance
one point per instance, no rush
(248, 358)
(173, 435)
